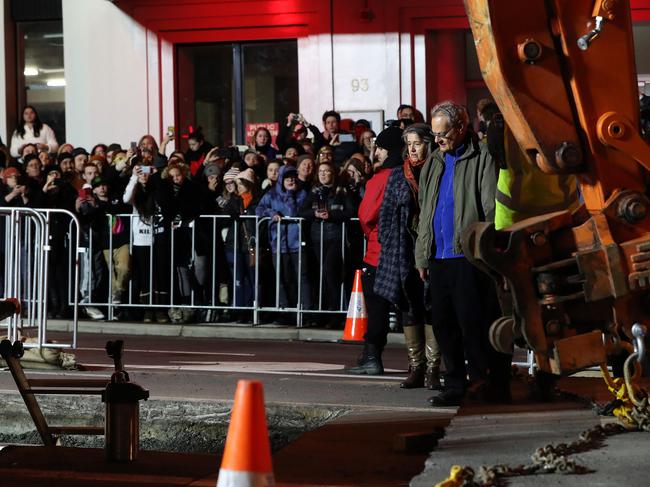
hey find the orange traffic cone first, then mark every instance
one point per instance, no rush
(247, 457)
(356, 323)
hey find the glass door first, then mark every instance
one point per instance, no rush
(228, 88)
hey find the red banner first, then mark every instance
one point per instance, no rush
(272, 127)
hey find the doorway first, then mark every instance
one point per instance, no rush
(225, 88)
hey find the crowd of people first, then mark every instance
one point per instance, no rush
(149, 220)
(176, 229)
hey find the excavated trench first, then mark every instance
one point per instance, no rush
(165, 425)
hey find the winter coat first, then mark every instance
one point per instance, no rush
(369, 214)
(103, 223)
(397, 235)
(475, 181)
(195, 158)
(267, 151)
(340, 205)
(245, 226)
(278, 201)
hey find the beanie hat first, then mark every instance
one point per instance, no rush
(289, 172)
(230, 175)
(97, 159)
(390, 139)
(303, 157)
(98, 181)
(63, 156)
(247, 175)
(212, 170)
(11, 172)
(51, 169)
(29, 157)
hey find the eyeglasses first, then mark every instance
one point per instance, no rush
(443, 135)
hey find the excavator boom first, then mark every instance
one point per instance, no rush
(563, 74)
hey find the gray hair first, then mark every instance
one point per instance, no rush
(455, 113)
(423, 131)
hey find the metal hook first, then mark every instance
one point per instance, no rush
(639, 332)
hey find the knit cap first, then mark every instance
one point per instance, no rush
(248, 175)
(231, 174)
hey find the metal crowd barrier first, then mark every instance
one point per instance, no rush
(219, 223)
(25, 274)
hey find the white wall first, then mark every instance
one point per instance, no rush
(364, 71)
(105, 56)
(3, 82)
(112, 75)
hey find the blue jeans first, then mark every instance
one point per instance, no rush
(244, 278)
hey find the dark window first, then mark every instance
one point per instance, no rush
(222, 87)
(41, 76)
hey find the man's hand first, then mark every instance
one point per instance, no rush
(277, 217)
(213, 181)
(424, 273)
(322, 214)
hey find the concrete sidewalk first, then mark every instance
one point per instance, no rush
(210, 330)
(480, 435)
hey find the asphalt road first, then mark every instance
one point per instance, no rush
(292, 372)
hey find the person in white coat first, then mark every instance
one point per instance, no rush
(31, 130)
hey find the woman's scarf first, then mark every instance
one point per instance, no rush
(246, 198)
(412, 179)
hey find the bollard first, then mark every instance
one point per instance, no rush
(122, 422)
(122, 427)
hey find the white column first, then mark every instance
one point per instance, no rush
(3, 82)
(105, 57)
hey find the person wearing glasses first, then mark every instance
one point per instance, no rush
(457, 189)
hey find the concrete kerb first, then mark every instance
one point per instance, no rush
(209, 330)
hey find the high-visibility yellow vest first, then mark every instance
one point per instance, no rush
(523, 191)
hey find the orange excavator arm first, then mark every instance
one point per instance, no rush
(564, 77)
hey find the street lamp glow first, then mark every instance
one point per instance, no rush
(30, 71)
(56, 82)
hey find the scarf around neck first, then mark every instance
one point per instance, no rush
(410, 175)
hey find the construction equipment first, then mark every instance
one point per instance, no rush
(563, 75)
(121, 396)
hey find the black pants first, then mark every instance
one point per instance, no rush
(331, 262)
(160, 271)
(463, 305)
(377, 308)
(289, 263)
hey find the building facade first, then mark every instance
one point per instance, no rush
(111, 71)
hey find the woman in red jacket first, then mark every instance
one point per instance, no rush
(389, 154)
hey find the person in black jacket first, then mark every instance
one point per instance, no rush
(110, 234)
(182, 197)
(328, 207)
(241, 241)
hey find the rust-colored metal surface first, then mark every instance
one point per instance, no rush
(563, 75)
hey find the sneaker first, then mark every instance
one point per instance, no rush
(117, 298)
(161, 316)
(94, 313)
(175, 315)
(148, 316)
(189, 315)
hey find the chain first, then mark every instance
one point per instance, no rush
(630, 407)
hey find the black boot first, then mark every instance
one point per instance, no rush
(369, 363)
